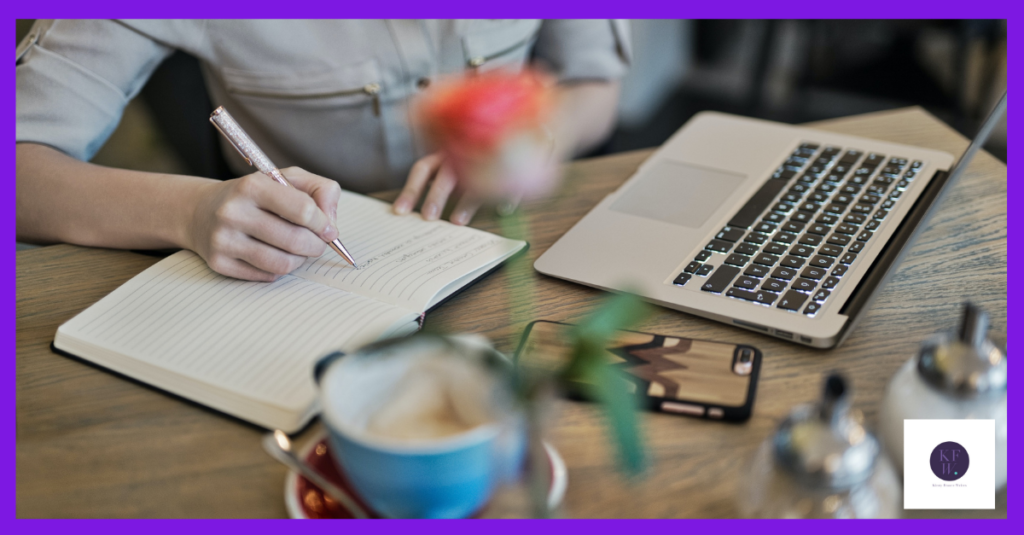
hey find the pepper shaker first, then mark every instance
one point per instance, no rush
(822, 463)
(955, 375)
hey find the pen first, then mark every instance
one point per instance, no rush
(245, 146)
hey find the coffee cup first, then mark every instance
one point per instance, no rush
(424, 426)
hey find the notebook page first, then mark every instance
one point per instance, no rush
(403, 260)
(258, 340)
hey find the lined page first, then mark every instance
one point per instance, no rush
(403, 260)
(258, 340)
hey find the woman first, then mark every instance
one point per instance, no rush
(329, 96)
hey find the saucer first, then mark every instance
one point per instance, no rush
(305, 500)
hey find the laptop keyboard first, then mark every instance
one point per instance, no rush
(789, 246)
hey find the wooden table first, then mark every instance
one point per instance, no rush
(91, 444)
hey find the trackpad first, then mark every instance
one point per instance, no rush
(678, 193)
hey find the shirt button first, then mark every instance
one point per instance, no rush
(423, 83)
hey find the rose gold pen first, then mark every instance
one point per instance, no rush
(245, 146)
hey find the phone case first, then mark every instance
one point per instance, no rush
(670, 374)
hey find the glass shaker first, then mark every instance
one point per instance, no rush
(822, 463)
(955, 375)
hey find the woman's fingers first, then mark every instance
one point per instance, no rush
(289, 203)
(466, 208)
(324, 191)
(422, 171)
(442, 188)
(272, 230)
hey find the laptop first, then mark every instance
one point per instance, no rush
(779, 229)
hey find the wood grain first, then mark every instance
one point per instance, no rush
(93, 444)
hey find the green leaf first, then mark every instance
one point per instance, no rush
(590, 368)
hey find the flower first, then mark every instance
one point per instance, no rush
(491, 128)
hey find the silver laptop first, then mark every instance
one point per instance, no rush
(783, 230)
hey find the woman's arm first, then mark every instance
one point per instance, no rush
(251, 227)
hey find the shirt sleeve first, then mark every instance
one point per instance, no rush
(585, 49)
(74, 78)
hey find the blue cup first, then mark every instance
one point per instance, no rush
(451, 476)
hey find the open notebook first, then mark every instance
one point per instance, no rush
(248, 348)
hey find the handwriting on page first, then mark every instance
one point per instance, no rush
(188, 319)
(402, 259)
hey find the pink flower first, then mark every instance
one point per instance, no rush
(491, 129)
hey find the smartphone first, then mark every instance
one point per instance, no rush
(670, 374)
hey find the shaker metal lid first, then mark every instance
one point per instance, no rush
(965, 363)
(825, 445)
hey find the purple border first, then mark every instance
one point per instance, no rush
(464, 9)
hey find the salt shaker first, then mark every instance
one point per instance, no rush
(822, 463)
(955, 375)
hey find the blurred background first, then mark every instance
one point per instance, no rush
(783, 70)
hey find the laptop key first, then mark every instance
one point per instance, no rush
(804, 285)
(702, 256)
(851, 156)
(821, 295)
(737, 260)
(846, 229)
(874, 159)
(782, 207)
(747, 283)
(774, 248)
(766, 298)
(839, 239)
(873, 224)
(719, 246)
(742, 294)
(856, 247)
(818, 229)
(784, 273)
(830, 283)
(765, 227)
(755, 206)
(826, 188)
(681, 279)
(895, 194)
(818, 197)
(792, 300)
(813, 273)
(812, 308)
(865, 236)
(862, 208)
(783, 237)
(802, 250)
(831, 250)
(799, 188)
(756, 237)
(774, 285)
(774, 218)
(720, 280)
(916, 164)
(810, 239)
(731, 234)
(909, 175)
(843, 198)
(754, 270)
(792, 262)
(692, 267)
(835, 208)
(801, 217)
(748, 249)
(870, 198)
(822, 261)
(828, 219)
(705, 270)
(880, 215)
(839, 271)
(766, 259)
(902, 184)
(848, 258)
(855, 218)
(792, 198)
(793, 226)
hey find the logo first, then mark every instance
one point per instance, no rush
(950, 461)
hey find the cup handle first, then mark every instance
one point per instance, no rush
(321, 365)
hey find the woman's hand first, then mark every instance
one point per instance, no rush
(257, 229)
(431, 170)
